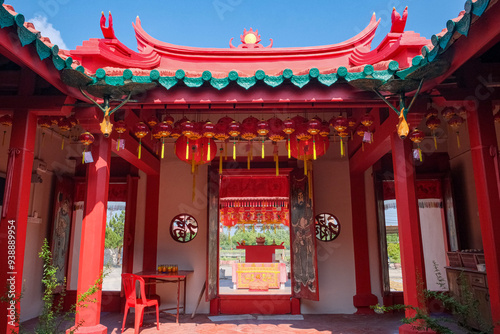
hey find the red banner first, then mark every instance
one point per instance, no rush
(247, 187)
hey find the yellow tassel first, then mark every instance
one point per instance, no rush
(83, 157)
(314, 148)
(420, 154)
(234, 150)
(220, 164)
(139, 154)
(289, 150)
(277, 165)
(187, 149)
(263, 152)
(62, 144)
(305, 165)
(458, 140)
(118, 143)
(208, 153)
(341, 147)
(435, 140)
(248, 159)
(162, 148)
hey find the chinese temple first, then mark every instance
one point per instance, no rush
(340, 148)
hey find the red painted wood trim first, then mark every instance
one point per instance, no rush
(93, 229)
(364, 297)
(129, 233)
(409, 221)
(273, 304)
(22, 139)
(482, 139)
(151, 222)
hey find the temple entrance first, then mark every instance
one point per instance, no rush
(254, 234)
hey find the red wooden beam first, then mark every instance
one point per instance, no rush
(483, 144)
(148, 162)
(41, 105)
(13, 227)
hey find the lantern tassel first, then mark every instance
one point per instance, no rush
(234, 150)
(276, 160)
(341, 147)
(83, 155)
(305, 164)
(289, 150)
(187, 149)
(458, 139)
(117, 143)
(419, 153)
(263, 152)
(435, 140)
(208, 153)
(140, 145)
(248, 159)
(314, 148)
(162, 148)
(62, 144)
(220, 162)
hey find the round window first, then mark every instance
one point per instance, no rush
(183, 228)
(327, 227)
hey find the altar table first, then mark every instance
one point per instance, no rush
(273, 274)
(259, 253)
(155, 277)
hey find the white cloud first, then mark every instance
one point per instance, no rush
(48, 30)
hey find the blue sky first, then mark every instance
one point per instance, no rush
(211, 23)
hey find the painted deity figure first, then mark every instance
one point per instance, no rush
(61, 239)
(303, 247)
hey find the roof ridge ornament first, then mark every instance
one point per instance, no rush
(107, 32)
(250, 40)
(398, 21)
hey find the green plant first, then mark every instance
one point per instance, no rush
(463, 309)
(53, 317)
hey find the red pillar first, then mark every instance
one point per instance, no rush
(151, 222)
(364, 297)
(13, 225)
(410, 238)
(93, 235)
(483, 142)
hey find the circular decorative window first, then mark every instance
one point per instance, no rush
(183, 228)
(327, 227)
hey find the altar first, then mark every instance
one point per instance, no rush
(261, 276)
(259, 253)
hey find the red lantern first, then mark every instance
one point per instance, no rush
(352, 125)
(301, 132)
(54, 120)
(263, 130)
(367, 120)
(340, 124)
(234, 131)
(180, 122)
(5, 120)
(431, 112)
(288, 128)
(314, 126)
(275, 129)
(86, 139)
(169, 119)
(433, 122)
(64, 125)
(140, 131)
(448, 113)
(176, 132)
(304, 149)
(455, 123)
(187, 129)
(462, 112)
(163, 130)
(249, 132)
(208, 130)
(152, 121)
(225, 120)
(417, 136)
(72, 121)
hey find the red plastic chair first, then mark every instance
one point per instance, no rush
(139, 303)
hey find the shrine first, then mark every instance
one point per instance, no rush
(257, 175)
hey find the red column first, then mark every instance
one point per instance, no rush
(93, 235)
(412, 259)
(151, 222)
(364, 297)
(483, 142)
(13, 225)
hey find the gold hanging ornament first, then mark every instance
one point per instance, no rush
(140, 131)
(455, 123)
(64, 126)
(417, 136)
(86, 139)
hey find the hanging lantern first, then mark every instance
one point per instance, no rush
(249, 132)
(288, 128)
(448, 113)
(301, 132)
(120, 127)
(303, 149)
(187, 128)
(263, 130)
(5, 120)
(367, 120)
(64, 126)
(208, 131)
(140, 131)
(325, 129)
(155, 134)
(417, 136)
(314, 128)
(431, 112)
(72, 121)
(86, 139)
(163, 130)
(45, 124)
(152, 121)
(433, 122)
(169, 119)
(54, 120)
(180, 122)
(221, 134)
(352, 125)
(198, 153)
(276, 134)
(462, 112)
(176, 132)
(341, 124)
(234, 131)
(455, 123)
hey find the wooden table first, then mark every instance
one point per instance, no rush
(154, 277)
